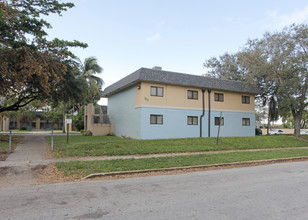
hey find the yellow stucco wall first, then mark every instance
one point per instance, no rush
(176, 97)
(102, 129)
(232, 102)
(96, 129)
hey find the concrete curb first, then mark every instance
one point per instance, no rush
(246, 163)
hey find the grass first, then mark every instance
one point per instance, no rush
(4, 145)
(82, 168)
(81, 146)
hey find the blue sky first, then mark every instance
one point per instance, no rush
(178, 35)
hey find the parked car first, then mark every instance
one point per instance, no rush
(305, 132)
(277, 132)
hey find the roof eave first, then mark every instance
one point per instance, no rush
(108, 94)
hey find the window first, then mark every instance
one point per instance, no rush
(97, 110)
(245, 99)
(191, 94)
(217, 119)
(156, 119)
(246, 121)
(157, 91)
(192, 120)
(219, 97)
(96, 119)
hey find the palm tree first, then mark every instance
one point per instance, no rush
(89, 70)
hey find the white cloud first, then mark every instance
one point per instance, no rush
(281, 20)
(154, 38)
(160, 24)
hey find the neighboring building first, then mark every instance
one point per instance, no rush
(97, 121)
(36, 123)
(4, 123)
(152, 104)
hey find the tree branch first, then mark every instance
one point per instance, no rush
(17, 105)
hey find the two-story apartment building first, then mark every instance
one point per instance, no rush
(152, 104)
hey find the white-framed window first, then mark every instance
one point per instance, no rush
(157, 91)
(245, 121)
(192, 120)
(222, 121)
(192, 94)
(156, 119)
(218, 97)
(245, 99)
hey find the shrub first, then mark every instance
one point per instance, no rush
(86, 132)
(258, 131)
(23, 128)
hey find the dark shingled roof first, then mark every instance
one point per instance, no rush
(167, 77)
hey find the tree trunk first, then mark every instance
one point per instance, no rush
(297, 125)
(63, 115)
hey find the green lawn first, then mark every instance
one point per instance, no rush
(82, 168)
(4, 144)
(80, 146)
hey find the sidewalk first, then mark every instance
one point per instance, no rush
(19, 168)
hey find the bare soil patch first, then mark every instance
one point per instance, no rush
(50, 174)
(19, 176)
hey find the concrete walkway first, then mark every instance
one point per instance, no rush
(31, 150)
(19, 168)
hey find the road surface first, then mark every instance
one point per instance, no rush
(277, 191)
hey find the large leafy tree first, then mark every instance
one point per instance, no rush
(276, 63)
(70, 89)
(30, 65)
(78, 85)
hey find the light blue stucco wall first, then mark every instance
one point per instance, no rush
(175, 124)
(233, 124)
(135, 122)
(122, 113)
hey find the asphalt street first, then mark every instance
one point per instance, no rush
(277, 191)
